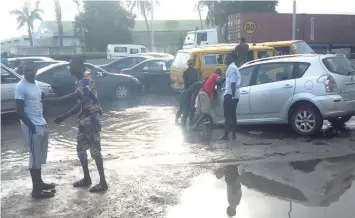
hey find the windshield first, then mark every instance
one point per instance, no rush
(181, 59)
(302, 48)
(339, 65)
(190, 39)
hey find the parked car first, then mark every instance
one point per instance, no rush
(108, 84)
(126, 62)
(153, 73)
(38, 65)
(15, 62)
(9, 79)
(300, 90)
(158, 55)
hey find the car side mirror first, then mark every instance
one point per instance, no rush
(99, 74)
(145, 68)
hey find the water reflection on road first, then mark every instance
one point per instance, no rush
(317, 188)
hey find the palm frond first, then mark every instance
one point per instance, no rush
(21, 23)
(37, 4)
(18, 13)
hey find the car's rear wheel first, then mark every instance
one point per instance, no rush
(306, 120)
(339, 121)
(122, 92)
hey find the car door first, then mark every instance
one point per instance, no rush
(63, 81)
(243, 108)
(156, 75)
(8, 85)
(272, 91)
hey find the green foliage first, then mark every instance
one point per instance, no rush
(27, 15)
(102, 23)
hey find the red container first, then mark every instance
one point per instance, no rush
(312, 28)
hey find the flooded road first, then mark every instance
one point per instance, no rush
(151, 163)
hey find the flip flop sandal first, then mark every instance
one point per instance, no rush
(42, 194)
(98, 188)
(82, 183)
(47, 186)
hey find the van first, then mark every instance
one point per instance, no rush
(116, 51)
(290, 47)
(198, 38)
(208, 58)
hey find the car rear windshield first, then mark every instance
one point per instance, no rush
(339, 65)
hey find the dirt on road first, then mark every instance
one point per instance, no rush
(155, 169)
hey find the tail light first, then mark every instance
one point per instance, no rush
(329, 83)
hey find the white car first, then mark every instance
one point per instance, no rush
(300, 90)
(9, 79)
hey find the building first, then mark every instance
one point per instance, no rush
(168, 35)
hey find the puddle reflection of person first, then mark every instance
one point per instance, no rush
(234, 191)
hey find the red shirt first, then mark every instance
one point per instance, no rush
(210, 84)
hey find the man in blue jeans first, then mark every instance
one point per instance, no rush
(231, 97)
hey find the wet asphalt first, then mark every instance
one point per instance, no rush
(156, 169)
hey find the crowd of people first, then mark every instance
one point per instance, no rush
(196, 97)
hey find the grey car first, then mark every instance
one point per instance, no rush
(300, 90)
(9, 79)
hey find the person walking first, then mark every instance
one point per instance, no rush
(187, 103)
(241, 52)
(34, 128)
(189, 75)
(89, 123)
(231, 97)
(204, 96)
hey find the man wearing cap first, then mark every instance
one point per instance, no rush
(89, 123)
(189, 75)
(34, 128)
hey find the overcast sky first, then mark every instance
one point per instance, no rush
(167, 10)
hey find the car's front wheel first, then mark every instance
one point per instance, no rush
(306, 120)
(122, 92)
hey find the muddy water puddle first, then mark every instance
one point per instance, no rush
(315, 188)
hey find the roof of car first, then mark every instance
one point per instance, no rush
(291, 58)
(30, 58)
(223, 48)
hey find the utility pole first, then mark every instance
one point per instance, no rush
(294, 21)
(151, 25)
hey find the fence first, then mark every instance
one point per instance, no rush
(45, 50)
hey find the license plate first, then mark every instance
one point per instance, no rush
(350, 88)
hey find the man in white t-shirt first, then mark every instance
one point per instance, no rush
(231, 97)
(34, 128)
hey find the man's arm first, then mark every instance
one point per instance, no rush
(20, 109)
(72, 111)
(70, 96)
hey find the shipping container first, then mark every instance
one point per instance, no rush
(315, 29)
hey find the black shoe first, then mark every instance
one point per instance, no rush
(82, 183)
(224, 138)
(47, 186)
(99, 188)
(42, 194)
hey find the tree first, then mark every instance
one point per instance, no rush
(198, 7)
(58, 16)
(104, 22)
(145, 8)
(219, 11)
(27, 16)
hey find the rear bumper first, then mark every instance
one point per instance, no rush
(332, 106)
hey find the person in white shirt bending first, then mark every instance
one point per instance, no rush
(231, 97)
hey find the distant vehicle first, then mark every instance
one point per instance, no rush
(300, 90)
(158, 55)
(198, 38)
(127, 62)
(39, 65)
(15, 62)
(108, 84)
(9, 79)
(153, 73)
(116, 51)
